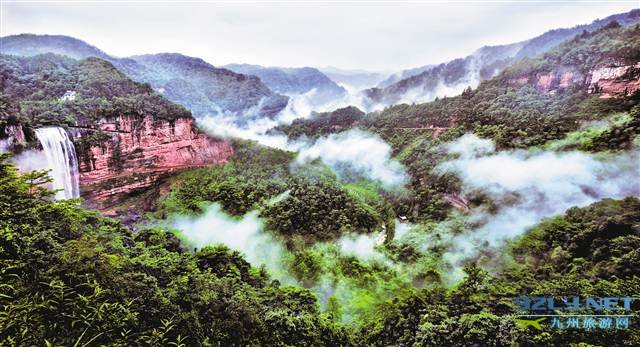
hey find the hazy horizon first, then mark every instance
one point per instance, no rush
(380, 37)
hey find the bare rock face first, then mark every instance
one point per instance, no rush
(615, 81)
(561, 78)
(15, 133)
(139, 152)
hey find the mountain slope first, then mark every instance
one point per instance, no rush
(396, 77)
(548, 102)
(188, 81)
(451, 78)
(205, 88)
(30, 44)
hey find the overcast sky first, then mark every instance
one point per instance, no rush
(375, 36)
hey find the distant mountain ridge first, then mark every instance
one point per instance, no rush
(403, 74)
(191, 82)
(451, 78)
(354, 79)
(293, 80)
(205, 87)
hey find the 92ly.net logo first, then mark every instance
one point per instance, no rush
(571, 312)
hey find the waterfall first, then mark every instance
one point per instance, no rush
(61, 157)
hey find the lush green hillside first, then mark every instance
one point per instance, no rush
(69, 276)
(313, 204)
(34, 88)
(512, 114)
(322, 123)
(588, 252)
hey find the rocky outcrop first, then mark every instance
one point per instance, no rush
(137, 152)
(561, 78)
(15, 133)
(615, 81)
(458, 202)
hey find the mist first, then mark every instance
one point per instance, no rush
(27, 160)
(359, 154)
(529, 187)
(353, 154)
(362, 246)
(245, 234)
(31, 160)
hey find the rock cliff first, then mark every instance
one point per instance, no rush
(128, 153)
(615, 81)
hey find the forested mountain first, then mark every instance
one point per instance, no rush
(205, 89)
(191, 82)
(30, 44)
(323, 123)
(36, 86)
(293, 80)
(451, 78)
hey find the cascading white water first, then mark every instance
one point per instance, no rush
(61, 157)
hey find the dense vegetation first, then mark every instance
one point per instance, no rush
(323, 123)
(70, 276)
(306, 201)
(587, 252)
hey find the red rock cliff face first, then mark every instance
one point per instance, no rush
(549, 83)
(615, 81)
(140, 152)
